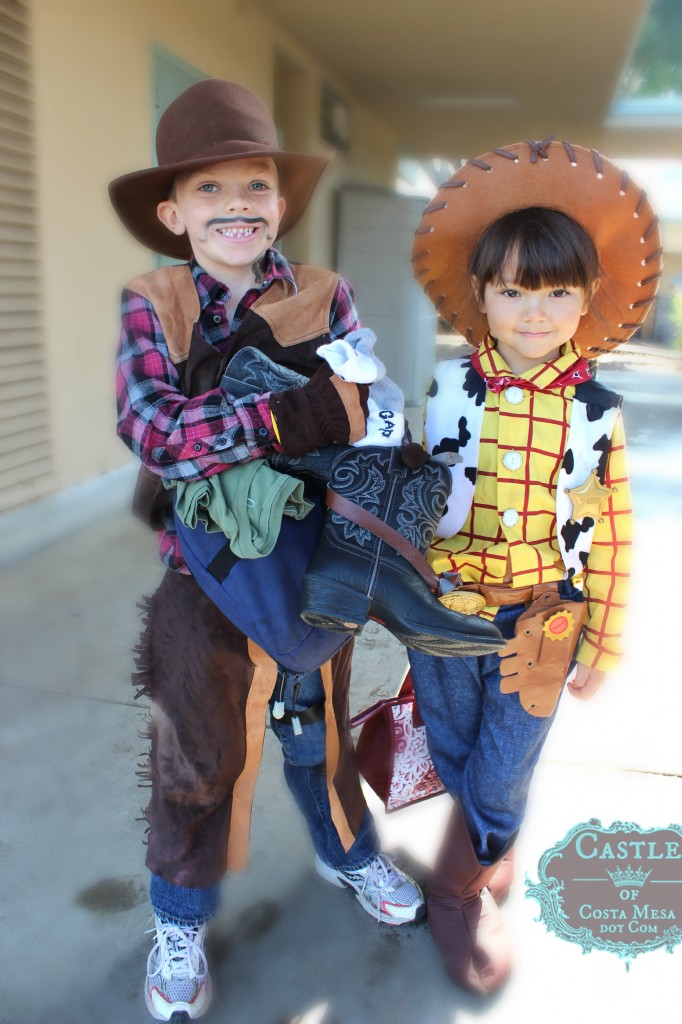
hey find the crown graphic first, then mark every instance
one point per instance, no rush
(636, 879)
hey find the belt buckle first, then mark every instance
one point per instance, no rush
(466, 602)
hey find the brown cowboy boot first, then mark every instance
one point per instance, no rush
(464, 920)
(501, 882)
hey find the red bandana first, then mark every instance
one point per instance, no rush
(577, 373)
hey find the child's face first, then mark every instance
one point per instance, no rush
(231, 212)
(530, 326)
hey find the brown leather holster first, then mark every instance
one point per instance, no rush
(536, 661)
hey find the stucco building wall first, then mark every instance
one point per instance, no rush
(92, 66)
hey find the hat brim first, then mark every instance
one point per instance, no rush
(135, 196)
(578, 182)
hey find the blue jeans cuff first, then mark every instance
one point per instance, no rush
(186, 907)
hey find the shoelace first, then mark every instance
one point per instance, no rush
(383, 876)
(178, 951)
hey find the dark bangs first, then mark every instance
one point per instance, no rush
(548, 247)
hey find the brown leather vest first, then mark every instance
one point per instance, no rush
(287, 326)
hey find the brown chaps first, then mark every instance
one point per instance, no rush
(209, 688)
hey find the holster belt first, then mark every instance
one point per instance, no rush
(315, 713)
(535, 661)
(498, 595)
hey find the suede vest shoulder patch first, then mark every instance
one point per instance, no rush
(172, 293)
(295, 317)
(292, 318)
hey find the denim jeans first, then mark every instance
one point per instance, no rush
(183, 906)
(304, 771)
(483, 744)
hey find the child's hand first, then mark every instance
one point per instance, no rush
(586, 681)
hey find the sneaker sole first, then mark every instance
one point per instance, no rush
(180, 1013)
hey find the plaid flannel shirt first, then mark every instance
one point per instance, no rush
(538, 430)
(182, 438)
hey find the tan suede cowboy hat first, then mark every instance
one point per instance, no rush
(579, 182)
(211, 121)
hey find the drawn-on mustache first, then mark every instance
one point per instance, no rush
(236, 220)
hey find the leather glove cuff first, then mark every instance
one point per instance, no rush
(326, 410)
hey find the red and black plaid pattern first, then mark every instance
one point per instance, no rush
(183, 438)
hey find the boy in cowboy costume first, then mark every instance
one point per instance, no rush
(543, 256)
(222, 193)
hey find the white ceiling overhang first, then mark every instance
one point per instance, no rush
(454, 78)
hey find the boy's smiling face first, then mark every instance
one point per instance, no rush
(531, 325)
(231, 212)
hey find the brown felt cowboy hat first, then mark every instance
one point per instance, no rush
(579, 182)
(211, 121)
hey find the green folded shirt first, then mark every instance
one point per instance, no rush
(246, 503)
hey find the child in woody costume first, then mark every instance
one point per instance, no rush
(544, 256)
(222, 192)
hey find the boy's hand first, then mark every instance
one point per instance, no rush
(586, 681)
(326, 410)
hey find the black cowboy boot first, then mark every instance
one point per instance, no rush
(358, 574)
(363, 569)
(251, 372)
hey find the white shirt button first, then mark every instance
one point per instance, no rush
(514, 395)
(510, 517)
(512, 460)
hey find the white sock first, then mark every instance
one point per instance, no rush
(352, 359)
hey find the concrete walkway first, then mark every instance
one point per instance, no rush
(287, 948)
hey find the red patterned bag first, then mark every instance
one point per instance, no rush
(391, 751)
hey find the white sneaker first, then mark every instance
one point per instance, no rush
(381, 888)
(178, 981)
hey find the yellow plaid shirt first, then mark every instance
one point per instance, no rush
(537, 429)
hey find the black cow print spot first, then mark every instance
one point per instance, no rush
(571, 531)
(597, 399)
(474, 385)
(451, 444)
(471, 473)
(583, 558)
(594, 412)
(433, 388)
(569, 461)
(603, 445)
